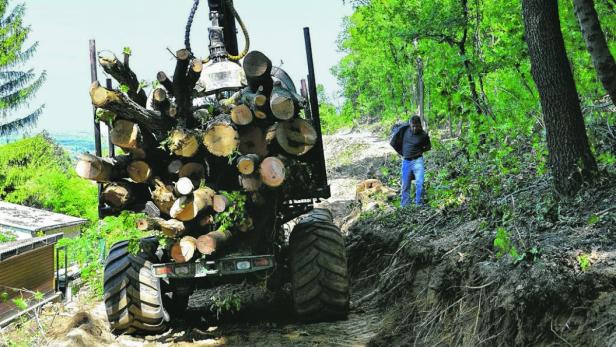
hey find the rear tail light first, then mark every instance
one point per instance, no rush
(163, 270)
(261, 262)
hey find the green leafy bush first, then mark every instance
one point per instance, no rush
(38, 173)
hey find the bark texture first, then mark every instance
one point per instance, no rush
(602, 59)
(570, 158)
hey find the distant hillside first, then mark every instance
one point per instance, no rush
(73, 142)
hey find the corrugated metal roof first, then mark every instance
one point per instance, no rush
(10, 249)
(34, 219)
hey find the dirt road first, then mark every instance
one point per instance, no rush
(350, 157)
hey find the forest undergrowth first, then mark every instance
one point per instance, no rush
(495, 257)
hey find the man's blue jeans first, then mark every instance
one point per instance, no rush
(417, 168)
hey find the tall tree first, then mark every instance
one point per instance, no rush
(17, 87)
(602, 59)
(569, 156)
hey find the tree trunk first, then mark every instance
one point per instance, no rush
(184, 186)
(124, 75)
(171, 228)
(165, 81)
(272, 172)
(184, 250)
(139, 171)
(181, 90)
(194, 171)
(258, 69)
(569, 153)
(219, 203)
(246, 164)
(183, 143)
(213, 241)
(163, 197)
(100, 169)
(241, 115)
(187, 208)
(602, 59)
(283, 103)
(420, 94)
(220, 137)
(296, 136)
(126, 108)
(117, 195)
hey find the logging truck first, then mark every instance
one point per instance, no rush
(219, 156)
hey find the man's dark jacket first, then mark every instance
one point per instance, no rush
(397, 136)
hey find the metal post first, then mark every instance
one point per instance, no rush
(314, 111)
(111, 147)
(97, 126)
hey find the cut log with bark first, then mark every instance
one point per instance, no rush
(126, 134)
(196, 66)
(258, 68)
(194, 171)
(187, 208)
(126, 108)
(272, 172)
(283, 103)
(125, 76)
(165, 81)
(174, 166)
(170, 228)
(181, 90)
(250, 183)
(247, 164)
(100, 169)
(220, 203)
(241, 115)
(252, 141)
(163, 196)
(184, 250)
(220, 136)
(119, 194)
(213, 241)
(139, 171)
(253, 99)
(296, 136)
(183, 143)
(184, 186)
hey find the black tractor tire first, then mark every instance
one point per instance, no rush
(319, 274)
(132, 295)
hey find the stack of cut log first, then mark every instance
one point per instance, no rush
(207, 162)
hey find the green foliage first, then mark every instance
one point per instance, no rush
(17, 87)
(583, 261)
(503, 244)
(38, 173)
(20, 303)
(7, 236)
(126, 50)
(235, 212)
(85, 250)
(229, 303)
(124, 88)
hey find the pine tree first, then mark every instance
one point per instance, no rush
(17, 87)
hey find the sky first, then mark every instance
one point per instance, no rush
(64, 27)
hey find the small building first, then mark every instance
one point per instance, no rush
(27, 222)
(27, 264)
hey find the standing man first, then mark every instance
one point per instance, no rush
(410, 141)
